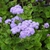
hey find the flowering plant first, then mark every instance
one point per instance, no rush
(24, 25)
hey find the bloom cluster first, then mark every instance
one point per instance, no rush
(16, 9)
(46, 25)
(26, 28)
(13, 20)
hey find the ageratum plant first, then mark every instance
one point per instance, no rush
(24, 25)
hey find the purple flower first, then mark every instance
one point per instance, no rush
(26, 22)
(19, 10)
(31, 30)
(27, 32)
(18, 6)
(7, 21)
(36, 27)
(26, 28)
(32, 24)
(37, 23)
(30, 21)
(22, 34)
(16, 18)
(23, 27)
(15, 30)
(0, 19)
(46, 25)
(13, 10)
(13, 25)
(16, 9)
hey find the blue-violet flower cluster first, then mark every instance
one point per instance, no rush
(17, 9)
(46, 25)
(26, 28)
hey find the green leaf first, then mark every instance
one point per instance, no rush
(48, 20)
(47, 13)
(6, 1)
(5, 47)
(32, 1)
(40, 20)
(48, 46)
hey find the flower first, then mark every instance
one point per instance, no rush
(7, 21)
(16, 18)
(16, 9)
(13, 25)
(13, 10)
(46, 25)
(28, 32)
(19, 11)
(0, 19)
(25, 28)
(15, 30)
(34, 25)
(22, 34)
(31, 30)
(18, 6)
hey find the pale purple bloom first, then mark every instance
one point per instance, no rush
(27, 32)
(22, 34)
(13, 25)
(36, 27)
(0, 19)
(46, 25)
(7, 21)
(18, 6)
(26, 22)
(13, 10)
(26, 28)
(33, 24)
(31, 30)
(16, 9)
(23, 27)
(19, 11)
(15, 30)
(30, 21)
(16, 18)
(37, 23)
